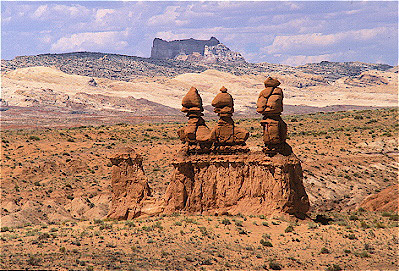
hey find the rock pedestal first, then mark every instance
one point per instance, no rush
(129, 185)
(250, 184)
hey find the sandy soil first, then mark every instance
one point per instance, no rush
(56, 189)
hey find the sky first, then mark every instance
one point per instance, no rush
(280, 32)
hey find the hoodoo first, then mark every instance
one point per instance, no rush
(216, 173)
(223, 179)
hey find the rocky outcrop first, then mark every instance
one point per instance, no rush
(202, 51)
(221, 54)
(213, 55)
(129, 185)
(385, 201)
(127, 68)
(250, 184)
(162, 49)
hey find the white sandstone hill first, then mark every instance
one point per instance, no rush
(45, 86)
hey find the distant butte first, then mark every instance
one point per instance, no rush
(162, 49)
(205, 51)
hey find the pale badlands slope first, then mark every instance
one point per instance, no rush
(49, 86)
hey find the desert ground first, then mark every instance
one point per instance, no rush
(56, 194)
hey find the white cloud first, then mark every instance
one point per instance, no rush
(91, 41)
(301, 59)
(169, 17)
(101, 13)
(319, 40)
(46, 39)
(40, 11)
(50, 12)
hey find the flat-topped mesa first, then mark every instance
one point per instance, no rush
(198, 51)
(226, 137)
(162, 49)
(196, 135)
(270, 105)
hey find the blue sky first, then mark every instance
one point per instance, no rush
(283, 32)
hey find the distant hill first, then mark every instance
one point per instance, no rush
(126, 68)
(84, 87)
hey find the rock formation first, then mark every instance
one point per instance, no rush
(270, 105)
(225, 135)
(250, 184)
(129, 185)
(227, 179)
(230, 181)
(196, 134)
(162, 49)
(203, 51)
(384, 201)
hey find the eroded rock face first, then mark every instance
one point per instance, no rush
(250, 184)
(384, 201)
(129, 185)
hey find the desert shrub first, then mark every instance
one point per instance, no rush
(364, 225)
(33, 260)
(353, 217)
(265, 243)
(203, 231)
(190, 220)
(266, 236)
(44, 236)
(351, 236)
(290, 228)
(379, 225)
(333, 267)
(264, 223)
(226, 221)
(4, 229)
(274, 266)
(238, 223)
(130, 224)
(362, 254)
(324, 250)
(35, 138)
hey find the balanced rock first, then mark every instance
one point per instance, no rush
(196, 135)
(223, 103)
(225, 133)
(250, 184)
(270, 105)
(192, 101)
(129, 185)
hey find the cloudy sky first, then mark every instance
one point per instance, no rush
(285, 32)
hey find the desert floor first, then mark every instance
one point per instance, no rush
(56, 190)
